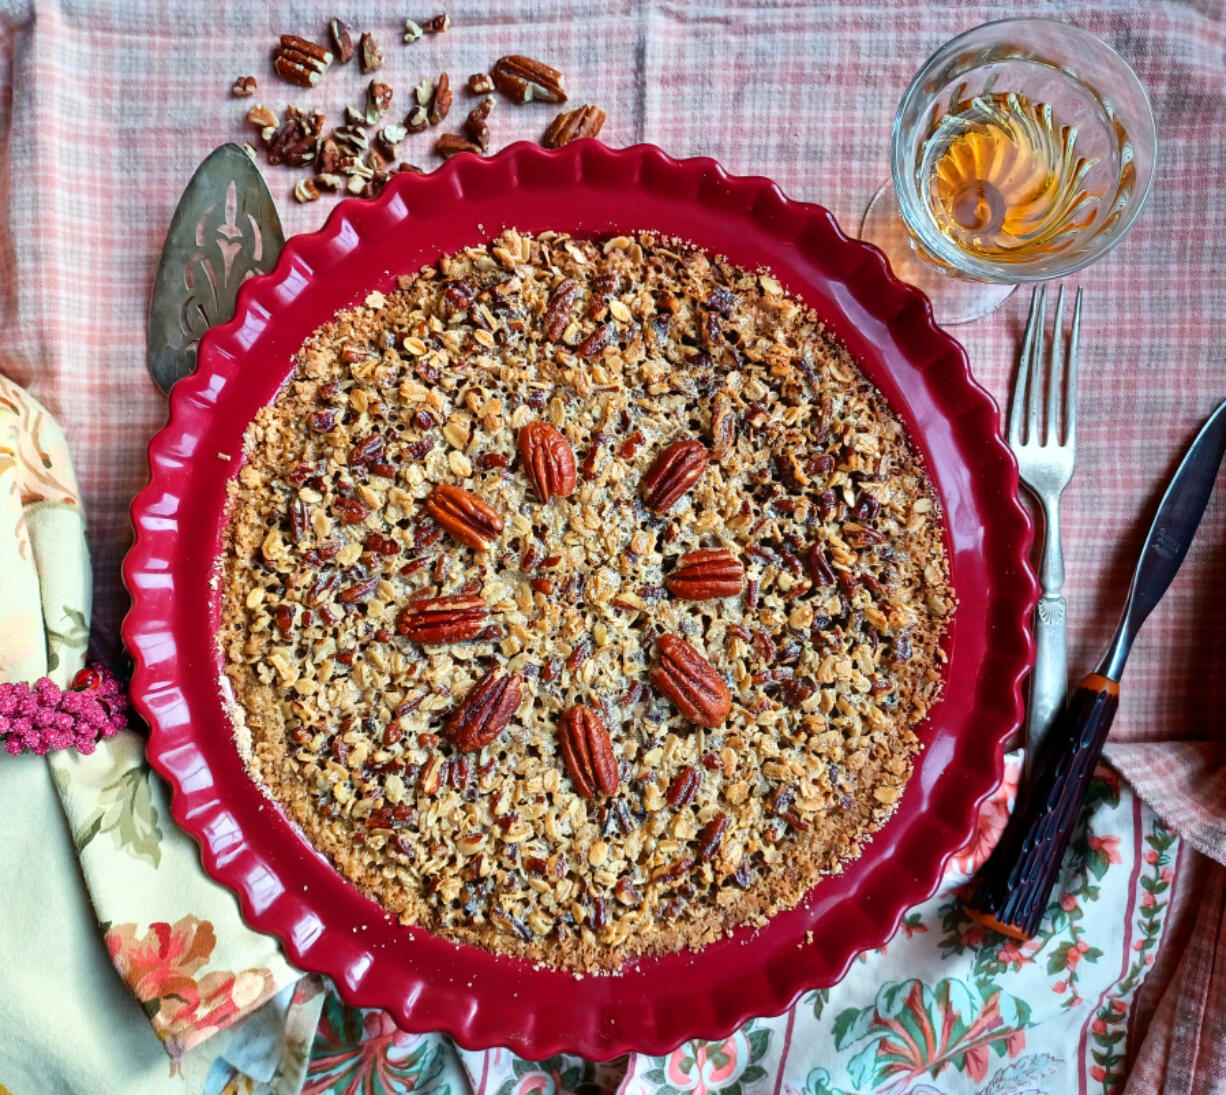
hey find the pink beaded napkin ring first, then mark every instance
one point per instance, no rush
(44, 716)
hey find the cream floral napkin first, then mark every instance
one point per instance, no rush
(145, 909)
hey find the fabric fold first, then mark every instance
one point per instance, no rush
(175, 937)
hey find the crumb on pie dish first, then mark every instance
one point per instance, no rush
(580, 598)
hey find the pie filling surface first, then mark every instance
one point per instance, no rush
(580, 598)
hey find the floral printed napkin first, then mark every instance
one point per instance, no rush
(946, 1006)
(174, 936)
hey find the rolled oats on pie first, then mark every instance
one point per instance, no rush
(581, 599)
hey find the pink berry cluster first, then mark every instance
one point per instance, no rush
(46, 717)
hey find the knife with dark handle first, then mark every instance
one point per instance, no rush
(1015, 884)
(224, 230)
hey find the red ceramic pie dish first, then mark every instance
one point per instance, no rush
(286, 888)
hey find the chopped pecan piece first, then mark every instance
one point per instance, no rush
(710, 836)
(723, 426)
(675, 869)
(627, 893)
(470, 520)
(684, 787)
(342, 41)
(450, 619)
(457, 296)
(558, 311)
(300, 62)
(386, 141)
(597, 340)
(449, 144)
(244, 87)
(294, 141)
(706, 574)
(367, 451)
(350, 510)
(440, 101)
(306, 190)
(360, 591)
(818, 565)
(297, 520)
(674, 472)
(417, 120)
(571, 125)
(436, 24)
(548, 459)
(794, 692)
(262, 118)
(521, 79)
(588, 752)
(791, 473)
(480, 83)
(370, 56)
(691, 682)
(378, 100)
(486, 711)
(476, 124)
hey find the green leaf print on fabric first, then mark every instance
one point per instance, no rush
(127, 812)
(818, 1083)
(1109, 1026)
(818, 999)
(75, 637)
(913, 1029)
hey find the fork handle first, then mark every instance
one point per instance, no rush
(1049, 678)
(1014, 886)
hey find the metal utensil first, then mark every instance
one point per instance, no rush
(1016, 882)
(225, 229)
(1046, 457)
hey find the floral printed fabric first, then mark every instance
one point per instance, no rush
(947, 1006)
(175, 937)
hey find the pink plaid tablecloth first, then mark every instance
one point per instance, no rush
(106, 113)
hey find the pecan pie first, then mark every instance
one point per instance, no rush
(580, 599)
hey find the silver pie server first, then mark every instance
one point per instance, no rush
(224, 230)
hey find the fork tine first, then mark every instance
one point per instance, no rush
(1070, 397)
(1023, 374)
(1055, 375)
(1035, 401)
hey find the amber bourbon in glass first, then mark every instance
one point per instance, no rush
(1023, 150)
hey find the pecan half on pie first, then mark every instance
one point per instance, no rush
(580, 599)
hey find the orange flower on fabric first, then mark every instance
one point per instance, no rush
(993, 816)
(161, 967)
(1108, 845)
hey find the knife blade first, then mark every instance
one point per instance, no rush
(1170, 536)
(225, 229)
(1016, 882)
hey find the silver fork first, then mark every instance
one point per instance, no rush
(1046, 456)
